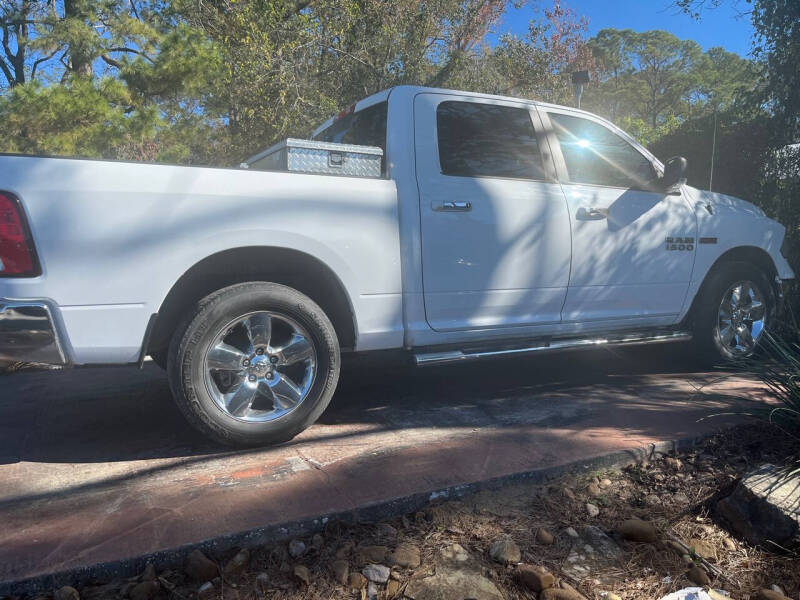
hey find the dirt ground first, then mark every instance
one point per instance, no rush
(675, 493)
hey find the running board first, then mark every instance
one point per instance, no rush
(452, 356)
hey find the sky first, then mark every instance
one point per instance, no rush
(722, 26)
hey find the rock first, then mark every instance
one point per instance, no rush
(317, 542)
(571, 533)
(145, 590)
(593, 489)
(592, 553)
(544, 537)
(303, 574)
(765, 594)
(262, 583)
(238, 564)
(373, 554)
(345, 550)
(635, 530)
(149, 573)
(357, 581)
(535, 578)
(455, 553)
(453, 584)
(385, 531)
(206, 591)
(673, 463)
(405, 555)
(765, 505)
(376, 573)
(592, 510)
(296, 548)
(715, 595)
(612, 596)
(568, 493)
(505, 551)
(680, 498)
(392, 588)
(777, 588)
(199, 567)
(341, 571)
(559, 594)
(675, 547)
(698, 576)
(66, 593)
(703, 549)
(652, 500)
(605, 483)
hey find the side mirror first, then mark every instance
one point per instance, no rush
(674, 174)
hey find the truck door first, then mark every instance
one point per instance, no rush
(632, 246)
(494, 224)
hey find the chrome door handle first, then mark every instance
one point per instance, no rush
(592, 213)
(454, 206)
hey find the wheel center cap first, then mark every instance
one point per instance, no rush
(260, 367)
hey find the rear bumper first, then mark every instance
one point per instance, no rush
(28, 334)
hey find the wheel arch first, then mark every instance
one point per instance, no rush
(293, 268)
(753, 255)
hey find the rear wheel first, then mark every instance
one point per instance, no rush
(736, 306)
(255, 363)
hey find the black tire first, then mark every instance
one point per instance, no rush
(193, 337)
(710, 348)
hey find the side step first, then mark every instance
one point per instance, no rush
(634, 339)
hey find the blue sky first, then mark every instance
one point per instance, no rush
(718, 27)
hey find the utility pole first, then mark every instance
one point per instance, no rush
(713, 150)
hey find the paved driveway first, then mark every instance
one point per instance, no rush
(96, 465)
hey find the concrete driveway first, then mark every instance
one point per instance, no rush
(97, 465)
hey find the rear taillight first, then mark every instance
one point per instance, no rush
(17, 254)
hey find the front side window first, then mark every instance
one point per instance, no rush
(596, 155)
(487, 140)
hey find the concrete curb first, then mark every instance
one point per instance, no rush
(173, 558)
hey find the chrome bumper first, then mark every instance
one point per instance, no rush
(28, 334)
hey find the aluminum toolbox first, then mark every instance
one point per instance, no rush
(309, 156)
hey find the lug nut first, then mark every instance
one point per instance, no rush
(273, 360)
(245, 363)
(270, 375)
(260, 351)
(252, 378)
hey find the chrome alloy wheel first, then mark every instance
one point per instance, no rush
(741, 318)
(260, 367)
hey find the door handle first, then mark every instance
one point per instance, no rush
(591, 213)
(454, 206)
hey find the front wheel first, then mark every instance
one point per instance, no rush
(254, 364)
(735, 307)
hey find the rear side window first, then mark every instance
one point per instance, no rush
(598, 156)
(487, 140)
(367, 127)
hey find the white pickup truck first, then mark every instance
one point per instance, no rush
(497, 226)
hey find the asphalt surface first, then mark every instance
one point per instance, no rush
(97, 465)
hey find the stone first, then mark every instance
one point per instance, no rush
(376, 573)
(317, 542)
(146, 590)
(728, 543)
(560, 594)
(544, 537)
(593, 489)
(392, 588)
(703, 549)
(571, 533)
(592, 553)
(673, 463)
(764, 506)
(149, 573)
(296, 548)
(345, 550)
(206, 591)
(453, 584)
(592, 510)
(455, 553)
(612, 596)
(238, 564)
(372, 591)
(385, 531)
(777, 588)
(373, 554)
(341, 571)
(675, 547)
(303, 574)
(262, 582)
(765, 594)
(505, 551)
(199, 567)
(535, 578)
(698, 576)
(652, 500)
(66, 593)
(405, 555)
(635, 530)
(357, 581)
(568, 493)
(605, 483)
